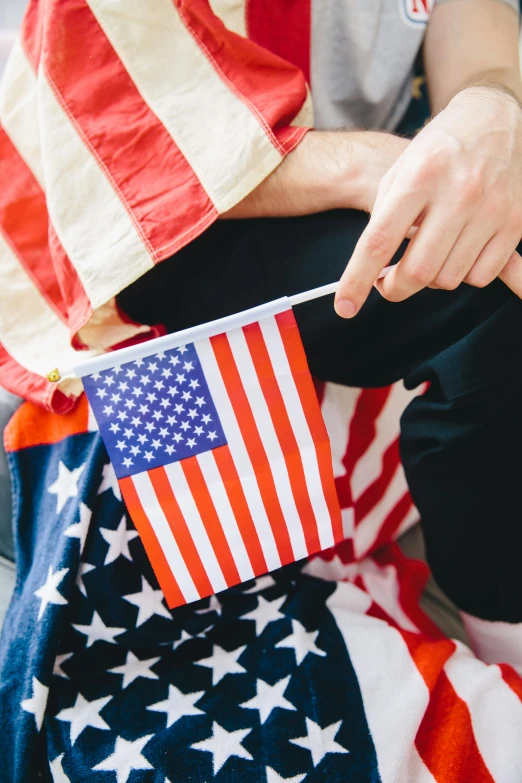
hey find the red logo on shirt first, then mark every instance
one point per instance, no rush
(417, 11)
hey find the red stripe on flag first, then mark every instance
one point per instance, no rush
(512, 679)
(164, 575)
(210, 519)
(305, 388)
(33, 25)
(271, 87)
(134, 148)
(283, 28)
(285, 434)
(79, 308)
(180, 531)
(361, 434)
(412, 577)
(31, 425)
(24, 221)
(236, 497)
(392, 522)
(256, 451)
(373, 494)
(445, 739)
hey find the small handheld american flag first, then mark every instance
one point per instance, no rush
(220, 449)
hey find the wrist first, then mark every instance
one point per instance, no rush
(490, 88)
(370, 155)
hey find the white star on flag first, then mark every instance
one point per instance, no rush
(109, 481)
(149, 603)
(262, 583)
(320, 741)
(214, 606)
(125, 758)
(135, 667)
(223, 744)
(37, 703)
(98, 631)
(178, 704)
(222, 662)
(80, 529)
(302, 642)
(118, 541)
(83, 569)
(266, 612)
(269, 697)
(185, 636)
(84, 713)
(57, 772)
(48, 593)
(58, 661)
(66, 485)
(273, 777)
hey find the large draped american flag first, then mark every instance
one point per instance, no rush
(326, 670)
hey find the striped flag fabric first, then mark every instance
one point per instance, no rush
(208, 116)
(221, 453)
(326, 670)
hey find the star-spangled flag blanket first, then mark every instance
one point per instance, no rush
(324, 671)
(220, 451)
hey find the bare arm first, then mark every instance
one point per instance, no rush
(470, 42)
(328, 170)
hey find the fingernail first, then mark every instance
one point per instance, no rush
(345, 308)
(384, 272)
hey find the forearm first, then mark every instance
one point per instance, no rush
(470, 43)
(328, 170)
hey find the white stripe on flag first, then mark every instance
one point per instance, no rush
(216, 129)
(217, 491)
(382, 584)
(338, 408)
(232, 13)
(19, 109)
(28, 324)
(189, 509)
(238, 452)
(303, 436)
(369, 527)
(268, 435)
(496, 712)
(167, 542)
(92, 245)
(305, 116)
(369, 467)
(394, 694)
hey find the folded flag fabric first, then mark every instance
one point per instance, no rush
(325, 671)
(220, 450)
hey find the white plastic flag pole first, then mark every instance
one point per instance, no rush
(210, 329)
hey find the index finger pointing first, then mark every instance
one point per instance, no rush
(377, 245)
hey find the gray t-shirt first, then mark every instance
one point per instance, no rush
(363, 52)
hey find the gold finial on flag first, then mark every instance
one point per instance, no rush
(54, 375)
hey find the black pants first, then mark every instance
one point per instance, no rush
(460, 442)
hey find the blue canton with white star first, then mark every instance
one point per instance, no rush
(155, 410)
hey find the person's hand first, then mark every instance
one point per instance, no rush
(460, 182)
(370, 156)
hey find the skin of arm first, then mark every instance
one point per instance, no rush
(327, 170)
(460, 179)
